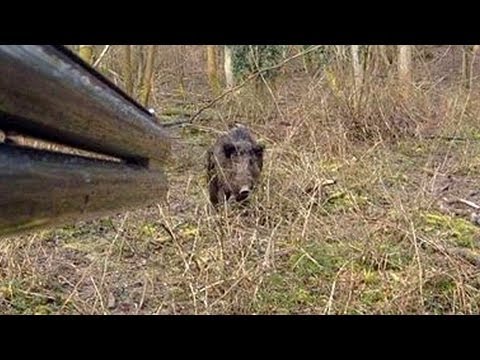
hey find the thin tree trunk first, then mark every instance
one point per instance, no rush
(180, 60)
(404, 63)
(340, 57)
(340, 51)
(212, 67)
(228, 66)
(467, 66)
(146, 86)
(357, 67)
(139, 65)
(128, 69)
(382, 49)
(307, 61)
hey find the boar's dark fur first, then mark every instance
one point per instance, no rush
(234, 165)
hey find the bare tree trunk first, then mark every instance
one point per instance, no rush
(469, 53)
(376, 60)
(139, 65)
(404, 63)
(341, 51)
(86, 53)
(383, 54)
(212, 67)
(357, 67)
(368, 62)
(228, 66)
(307, 61)
(181, 56)
(128, 69)
(146, 86)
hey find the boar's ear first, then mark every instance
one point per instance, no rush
(229, 150)
(259, 149)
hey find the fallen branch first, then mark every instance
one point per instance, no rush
(179, 121)
(463, 201)
(334, 196)
(473, 216)
(329, 182)
(466, 254)
(448, 138)
(453, 251)
(469, 203)
(317, 187)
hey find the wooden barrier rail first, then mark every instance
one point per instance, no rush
(48, 93)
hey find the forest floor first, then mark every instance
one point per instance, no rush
(382, 240)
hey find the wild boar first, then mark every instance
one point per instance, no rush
(234, 165)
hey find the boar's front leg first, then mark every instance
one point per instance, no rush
(213, 191)
(217, 192)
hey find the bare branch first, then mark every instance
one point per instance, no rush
(102, 54)
(243, 83)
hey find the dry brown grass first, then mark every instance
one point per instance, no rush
(373, 243)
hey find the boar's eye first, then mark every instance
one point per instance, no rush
(229, 150)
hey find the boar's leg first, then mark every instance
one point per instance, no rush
(217, 192)
(214, 191)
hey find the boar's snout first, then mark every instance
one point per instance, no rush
(244, 193)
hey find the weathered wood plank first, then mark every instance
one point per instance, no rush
(46, 93)
(41, 189)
